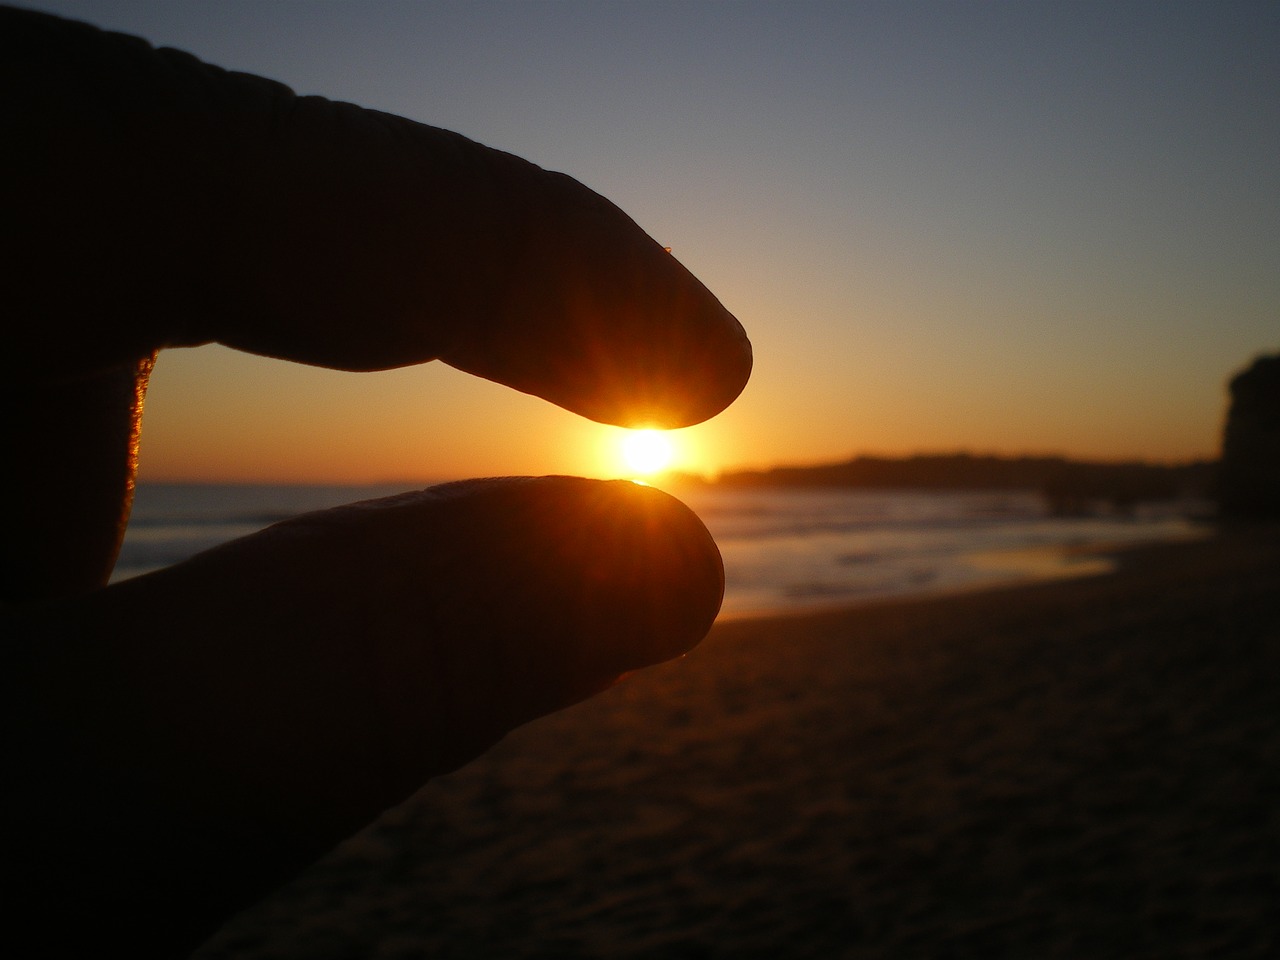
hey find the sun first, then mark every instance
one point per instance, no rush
(647, 451)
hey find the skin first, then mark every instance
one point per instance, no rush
(180, 744)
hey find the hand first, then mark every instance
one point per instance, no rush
(181, 743)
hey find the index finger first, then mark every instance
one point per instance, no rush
(214, 206)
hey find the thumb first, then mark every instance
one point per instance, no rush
(266, 699)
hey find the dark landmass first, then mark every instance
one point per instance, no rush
(1069, 485)
(1249, 478)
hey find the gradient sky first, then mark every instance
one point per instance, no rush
(1002, 227)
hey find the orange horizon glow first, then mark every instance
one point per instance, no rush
(216, 416)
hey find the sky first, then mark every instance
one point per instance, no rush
(1013, 228)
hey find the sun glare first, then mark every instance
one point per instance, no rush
(646, 451)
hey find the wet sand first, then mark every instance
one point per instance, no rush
(1085, 768)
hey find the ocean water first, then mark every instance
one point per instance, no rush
(790, 550)
(784, 549)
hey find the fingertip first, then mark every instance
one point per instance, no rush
(617, 575)
(597, 317)
(661, 574)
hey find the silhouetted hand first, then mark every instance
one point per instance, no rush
(181, 743)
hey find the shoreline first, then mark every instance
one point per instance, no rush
(1010, 568)
(1082, 767)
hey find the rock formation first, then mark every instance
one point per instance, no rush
(1249, 475)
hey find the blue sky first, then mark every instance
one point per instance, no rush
(1006, 227)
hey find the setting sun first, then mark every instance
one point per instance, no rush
(646, 451)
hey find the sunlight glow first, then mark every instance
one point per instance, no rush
(646, 451)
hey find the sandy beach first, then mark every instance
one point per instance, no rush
(1085, 768)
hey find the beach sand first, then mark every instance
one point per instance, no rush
(1085, 768)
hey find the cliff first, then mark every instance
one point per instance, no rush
(1249, 480)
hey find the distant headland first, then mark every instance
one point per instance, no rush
(1070, 486)
(1244, 483)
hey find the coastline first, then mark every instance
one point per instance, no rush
(1007, 568)
(1062, 768)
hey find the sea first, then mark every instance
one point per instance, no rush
(785, 549)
